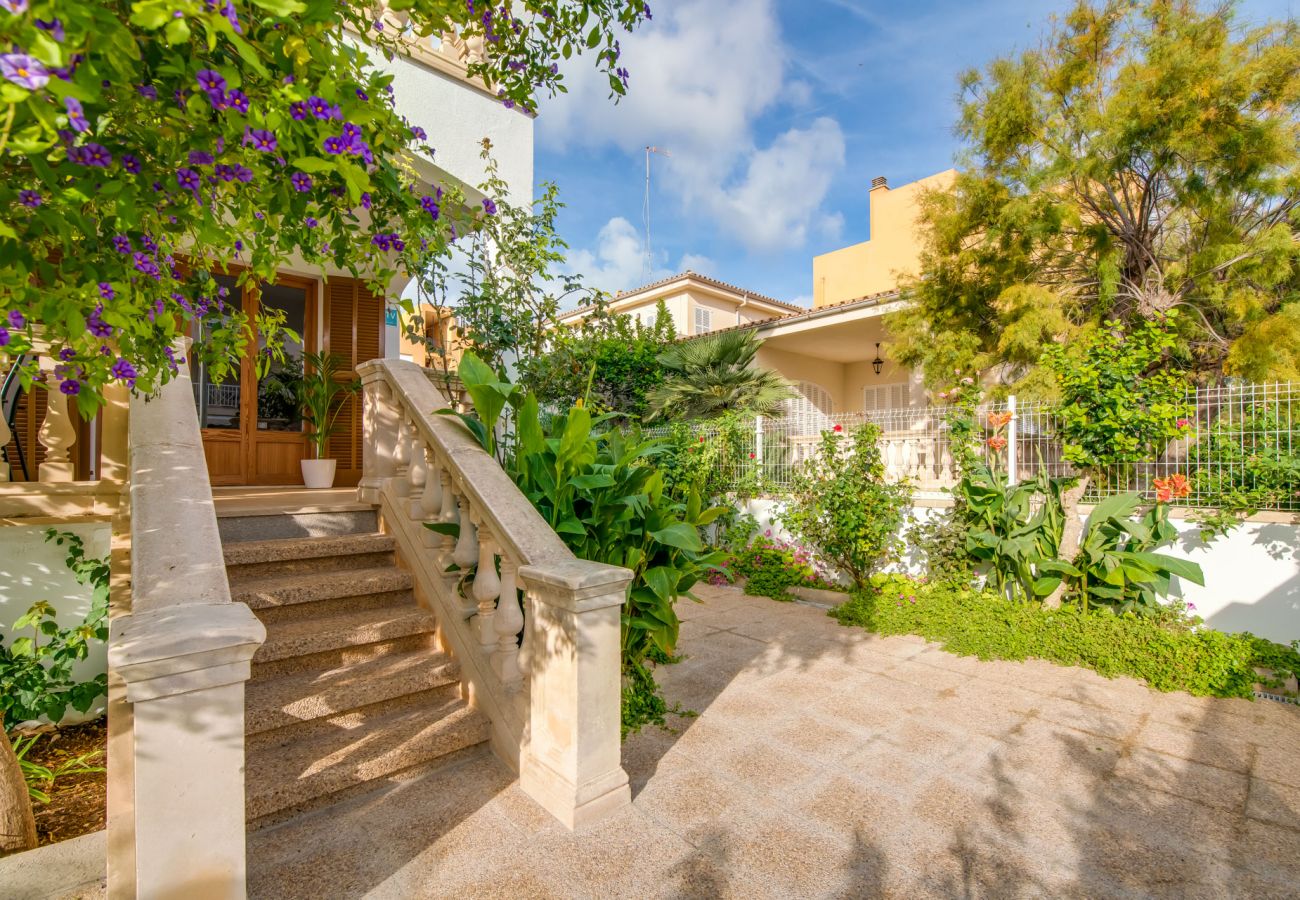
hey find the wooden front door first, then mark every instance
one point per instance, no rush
(252, 430)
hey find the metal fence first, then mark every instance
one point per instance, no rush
(1240, 443)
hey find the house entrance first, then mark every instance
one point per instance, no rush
(252, 429)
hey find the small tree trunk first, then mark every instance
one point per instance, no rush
(17, 825)
(1071, 534)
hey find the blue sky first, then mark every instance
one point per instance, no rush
(777, 113)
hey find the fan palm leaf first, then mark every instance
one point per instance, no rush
(715, 374)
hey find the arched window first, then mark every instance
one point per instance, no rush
(810, 412)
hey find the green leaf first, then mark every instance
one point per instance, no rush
(679, 535)
(451, 529)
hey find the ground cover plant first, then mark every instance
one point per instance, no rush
(1170, 652)
(771, 567)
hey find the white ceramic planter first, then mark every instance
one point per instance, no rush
(319, 473)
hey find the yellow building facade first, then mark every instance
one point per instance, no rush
(874, 266)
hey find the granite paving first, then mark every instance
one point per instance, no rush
(823, 761)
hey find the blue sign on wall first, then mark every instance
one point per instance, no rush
(390, 317)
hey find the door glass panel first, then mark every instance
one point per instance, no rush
(277, 391)
(217, 402)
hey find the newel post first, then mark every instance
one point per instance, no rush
(572, 762)
(379, 432)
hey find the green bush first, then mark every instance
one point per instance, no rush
(771, 567)
(36, 670)
(841, 506)
(1170, 653)
(599, 490)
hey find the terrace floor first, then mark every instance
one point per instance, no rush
(827, 762)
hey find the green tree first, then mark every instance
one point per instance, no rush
(1144, 158)
(611, 361)
(715, 374)
(145, 143)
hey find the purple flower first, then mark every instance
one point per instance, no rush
(430, 205)
(16, 319)
(419, 133)
(24, 71)
(298, 110)
(489, 207)
(239, 245)
(310, 222)
(14, 6)
(259, 139)
(243, 174)
(332, 145)
(70, 386)
(145, 264)
(4, 336)
(322, 109)
(121, 243)
(54, 27)
(301, 182)
(96, 155)
(362, 95)
(229, 12)
(147, 91)
(29, 198)
(211, 81)
(124, 371)
(200, 158)
(131, 163)
(238, 101)
(288, 79)
(106, 291)
(66, 354)
(97, 326)
(365, 200)
(188, 179)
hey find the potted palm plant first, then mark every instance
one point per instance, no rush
(321, 395)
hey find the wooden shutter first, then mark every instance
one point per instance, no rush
(28, 418)
(354, 330)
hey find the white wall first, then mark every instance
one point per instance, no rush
(1252, 576)
(32, 569)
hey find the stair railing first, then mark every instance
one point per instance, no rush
(546, 671)
(179, 653)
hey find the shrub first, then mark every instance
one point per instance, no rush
(36, 671)
(841, 506)
(1251, 462)
(1169, 654)
(598, 489)
(771, 567)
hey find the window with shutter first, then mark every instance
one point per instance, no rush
(354, 330)
(703, 320)
(810, 412)
(884, 396)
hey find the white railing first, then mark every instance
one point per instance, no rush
(1237, 439)
(546, 670)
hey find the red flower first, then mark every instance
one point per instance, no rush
(1175, 486)
(751, 456)
(997, 442)
(838, 428)
(701, 439)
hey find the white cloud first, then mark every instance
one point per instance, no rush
(617, 263)
(776, 201)
(703, 73)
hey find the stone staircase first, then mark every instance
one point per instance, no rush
(350, 688)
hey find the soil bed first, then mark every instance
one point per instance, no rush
(77, 802)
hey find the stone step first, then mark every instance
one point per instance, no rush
(251, 560)
(290, 700)
(292, 590)
(263, 527)
(296, 774)
(341, 638)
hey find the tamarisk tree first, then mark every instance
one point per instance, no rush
(1144, 158)
(147, 143)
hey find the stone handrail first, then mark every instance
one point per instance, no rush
(179, 653)
(922, 458)
(546, 672)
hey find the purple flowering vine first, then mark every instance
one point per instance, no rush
(24, 70)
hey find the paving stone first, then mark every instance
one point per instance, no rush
(1225, 748)
(1193, 781)
(1274, 802)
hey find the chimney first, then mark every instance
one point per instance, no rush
(880, 181)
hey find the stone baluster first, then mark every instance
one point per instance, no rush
(431, 497)
(378, 425)
(448, 513)
(57, 434)
(487, 587)
(524, 659)
(402, 451)
(945, 464)
(417, 475)
(466, 552)
(509, 623)
(910, 458)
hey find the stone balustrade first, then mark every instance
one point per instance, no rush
(536, 630)
(922, 459)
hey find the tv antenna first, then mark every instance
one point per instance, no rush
(646, 265)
